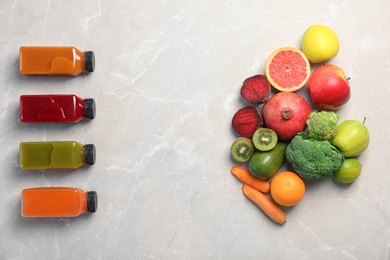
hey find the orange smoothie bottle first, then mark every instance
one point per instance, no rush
(49, 202)
(61, 61)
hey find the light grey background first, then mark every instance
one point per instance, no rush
(167, 84)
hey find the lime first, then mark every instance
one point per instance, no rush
(320, 43)
(349, 171)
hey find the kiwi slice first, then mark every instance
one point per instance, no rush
(264, 139)
(242, 149)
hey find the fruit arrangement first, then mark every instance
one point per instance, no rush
(284, 128)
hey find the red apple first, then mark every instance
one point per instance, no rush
(329, 87)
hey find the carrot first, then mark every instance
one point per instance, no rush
(246, 177)
(265, 204)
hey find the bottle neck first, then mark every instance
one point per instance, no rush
(89, 61)
(92, 201)
(89, 154)
(89, 108)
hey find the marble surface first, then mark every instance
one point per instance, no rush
(167, 84)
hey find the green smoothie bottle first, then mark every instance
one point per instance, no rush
(55, 155)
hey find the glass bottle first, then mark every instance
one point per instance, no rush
(56, 108)
(55, 60)
(57, 202)
(55, 155)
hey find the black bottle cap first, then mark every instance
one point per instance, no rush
(89, 59)
(90, 108)
(90, 154)
(92, 201)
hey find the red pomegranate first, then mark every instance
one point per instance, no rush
(286, 114)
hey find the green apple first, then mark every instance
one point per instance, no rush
(352, 138)
(349, 171)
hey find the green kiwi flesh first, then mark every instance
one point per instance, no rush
(242, 149)
(264, 139)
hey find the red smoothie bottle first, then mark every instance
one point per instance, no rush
(56, 108)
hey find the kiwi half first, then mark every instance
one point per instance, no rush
(242, 149)
(264, 139)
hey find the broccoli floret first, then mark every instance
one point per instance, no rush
(322, 125)
(311, 158)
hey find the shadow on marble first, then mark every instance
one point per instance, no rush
(28, 223)
(37, 84)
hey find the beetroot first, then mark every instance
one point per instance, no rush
(286, 114)
(246, 120)
(256, 89)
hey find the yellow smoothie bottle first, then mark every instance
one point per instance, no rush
(55, 155)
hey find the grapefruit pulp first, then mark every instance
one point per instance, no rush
(287, 69)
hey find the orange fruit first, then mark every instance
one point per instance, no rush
(287, 69)
(287, 188)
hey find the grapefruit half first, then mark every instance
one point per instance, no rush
(287, 69)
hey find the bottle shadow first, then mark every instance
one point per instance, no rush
(44, 127)
(41, 224)
(37, 223)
